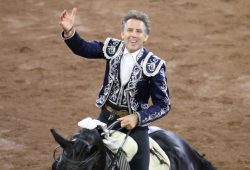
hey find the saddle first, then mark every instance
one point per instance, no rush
(158, 158)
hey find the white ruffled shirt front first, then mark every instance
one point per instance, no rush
(128, 62)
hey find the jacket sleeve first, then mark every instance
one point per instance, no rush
(159, 93)
(81, 47)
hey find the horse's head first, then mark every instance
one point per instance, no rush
(83, 151)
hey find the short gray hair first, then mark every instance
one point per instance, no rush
(134, 14)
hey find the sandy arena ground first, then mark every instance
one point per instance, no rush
(43, 85)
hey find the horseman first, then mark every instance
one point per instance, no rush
(133, 75)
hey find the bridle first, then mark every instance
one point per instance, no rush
(75, 164)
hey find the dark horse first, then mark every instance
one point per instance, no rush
(86, 151)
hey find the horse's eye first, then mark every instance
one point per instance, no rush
(93, 149)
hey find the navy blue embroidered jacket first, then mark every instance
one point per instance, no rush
(148, 78)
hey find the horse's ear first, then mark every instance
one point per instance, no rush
(59, 139)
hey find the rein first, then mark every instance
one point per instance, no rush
(123, 164)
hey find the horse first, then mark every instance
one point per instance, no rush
(86, 151)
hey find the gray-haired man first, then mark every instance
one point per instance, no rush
(132, 76)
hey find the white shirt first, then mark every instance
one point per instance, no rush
(128, 62)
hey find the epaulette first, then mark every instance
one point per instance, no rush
(152, 64)
(112, 47)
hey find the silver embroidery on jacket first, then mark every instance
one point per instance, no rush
(121, 95)
(112, 79)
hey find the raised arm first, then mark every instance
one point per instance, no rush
(79, 46)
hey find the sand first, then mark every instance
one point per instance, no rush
(43, 85)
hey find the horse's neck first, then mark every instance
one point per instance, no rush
(109, 156)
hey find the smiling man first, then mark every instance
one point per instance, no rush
(133, 75)
(134, 34)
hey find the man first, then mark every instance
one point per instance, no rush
(132, 76)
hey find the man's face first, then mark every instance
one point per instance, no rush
(134, 35)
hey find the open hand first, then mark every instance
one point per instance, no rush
(67, 21)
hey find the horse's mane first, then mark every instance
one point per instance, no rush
(93, 137)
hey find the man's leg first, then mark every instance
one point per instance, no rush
(140, 135)
(141, 159)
